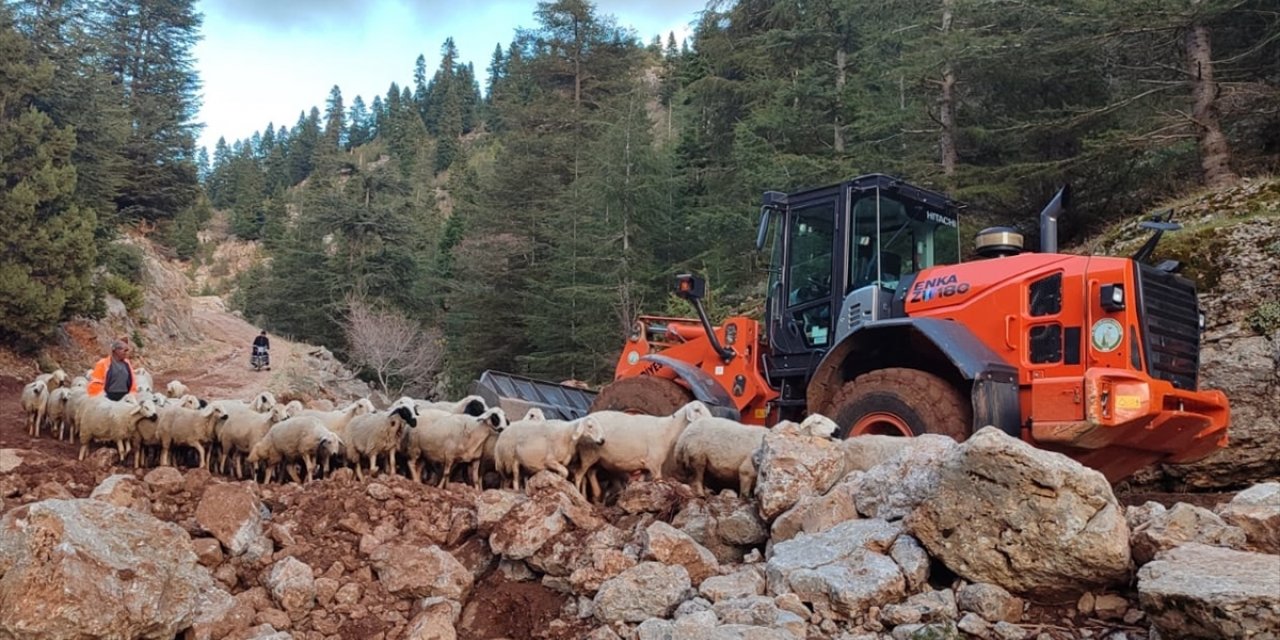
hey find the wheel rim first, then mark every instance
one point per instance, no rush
(882, 424)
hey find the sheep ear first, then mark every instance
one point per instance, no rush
(580, 428)
(206, 412)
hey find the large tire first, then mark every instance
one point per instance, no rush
(642, 394)
(901, 402)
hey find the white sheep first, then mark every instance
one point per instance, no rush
(634, 443)
(241, 430)
(142, 381)
(263, 402)
(488, 454)
(539, 444)
(293, 408)
(188, 424)
(451, 438)
(337, 420)
(727, 449)
(176, 389)
(58, 378)
(56, 410)
(470, 405)
(101, 419)
(75, 401)
(299, 437)
(373, 434)
(35, 397)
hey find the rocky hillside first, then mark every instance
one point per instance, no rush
(989, 539)
(1230, 245)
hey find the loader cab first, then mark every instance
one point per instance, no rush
(838, 254)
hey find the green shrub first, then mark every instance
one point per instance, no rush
(1266, 318)
(124, 260)
(128, 293)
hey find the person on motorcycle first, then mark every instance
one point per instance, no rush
(262, 348)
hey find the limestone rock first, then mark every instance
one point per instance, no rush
(891, 489)
(420, 572)
(292, 585)
(740, 584)
(1183, 523)
(990, 601)
(1256, 510)
(845, 570)
(669, 545)
(1029, 520)
(525, 528)
(232, 514)
(793, 466)
(1198, 591)
(647, 590)
(61, 561)
(123, 491)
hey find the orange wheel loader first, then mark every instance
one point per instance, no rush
(872, 320)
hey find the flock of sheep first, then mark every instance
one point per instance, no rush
(431, 438)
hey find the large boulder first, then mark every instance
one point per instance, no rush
(1248, 369)
(421, 572)
(647, 590)
(1256, 510)
(1181, 524)
(890, 490)
(1199, 591)
(669, 545)
(792, 466)
(86, 568)
(1031, 521)
(525, 528)
(843, 571)
(232, 514)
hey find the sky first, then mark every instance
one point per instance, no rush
(266, 61)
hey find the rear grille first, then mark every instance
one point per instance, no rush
(1170, 326)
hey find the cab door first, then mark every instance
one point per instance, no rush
(802, 303)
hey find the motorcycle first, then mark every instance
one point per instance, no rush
(260, 359)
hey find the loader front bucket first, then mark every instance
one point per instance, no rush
(517, 394)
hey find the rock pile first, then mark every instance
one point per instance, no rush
(939, 540)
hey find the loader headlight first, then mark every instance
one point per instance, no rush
(1201, 321)
(1113, 297)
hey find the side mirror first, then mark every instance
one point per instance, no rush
(691, 287)
(762, 232)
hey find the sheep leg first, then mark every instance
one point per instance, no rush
(204, 455)
(84, 449)
(414, 472)
(698, 488)
(310, 467)
(120, 448)
(293, 471)
(391, 462)
(448, 471)
(595, 485)
(515, 475)
(266, 475)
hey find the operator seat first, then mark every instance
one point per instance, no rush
(890, 270)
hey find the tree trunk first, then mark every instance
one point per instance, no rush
(1215, 151)
(947, 106)
(841, 59)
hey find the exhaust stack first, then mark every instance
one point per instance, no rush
(1049, 219)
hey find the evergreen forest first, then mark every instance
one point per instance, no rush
(521, 218)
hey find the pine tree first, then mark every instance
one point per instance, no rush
(358, 127)
(150, 56)
(46, 270)
(335, 121)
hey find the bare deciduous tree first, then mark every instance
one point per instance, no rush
(398, 352)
